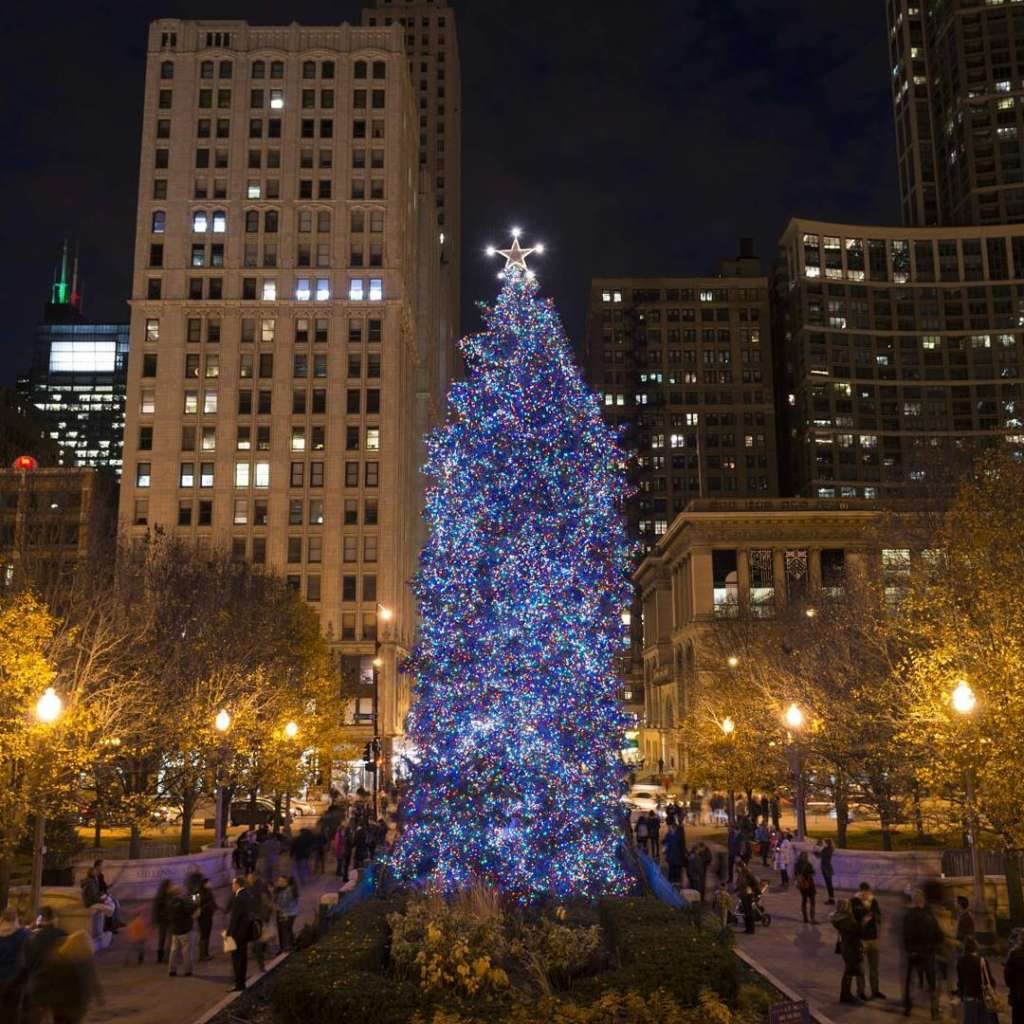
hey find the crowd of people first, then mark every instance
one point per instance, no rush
(48, 974)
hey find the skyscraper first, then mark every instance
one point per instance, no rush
(285, 320)
(958, 89)
(76, 383)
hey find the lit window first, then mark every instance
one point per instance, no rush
(241, 474)
(355, 289)
(616, 296)
(323, 289)
(209, 401)
(220, 222)
(252, 190)
(298, 439)
(187, 475)
(269, 290)
(147, 404)
(276, 99)
(152, 330)
(302, 289)
(191, 401)
(376, 289)
(373, 439)
(262, 477)
(606, 296)
(159, 222)
(142, 471)
(199, 221)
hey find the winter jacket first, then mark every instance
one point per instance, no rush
(286, 902)
(13, 943)
(850, 944)
(182, 915)
(870, 929)
(1013, 975)
(922, 935)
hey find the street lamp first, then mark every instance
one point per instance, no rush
(291, 730)
(732, 661)
(221, 723)
(384, 614)
(810, 612)
(48, 710)
(728, 727)
(964, 702)
(794, 723)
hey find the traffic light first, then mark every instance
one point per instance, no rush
(368, 756)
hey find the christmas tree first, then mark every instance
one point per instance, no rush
(517, 726)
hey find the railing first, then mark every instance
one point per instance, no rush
(958, 864)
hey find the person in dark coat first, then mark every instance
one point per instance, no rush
(735, 844)
(868, 912)
(14, 939)
(674, 852)
(1013, 975)
(922, 939)
(747, 888)
(42, 945)
(240, 929)
(654, 834)
(162, 917)
(824, 853)
(852, 950)
(972, 974)
(803, 875)
(207, 908)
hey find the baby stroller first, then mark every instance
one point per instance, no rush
(761, 916)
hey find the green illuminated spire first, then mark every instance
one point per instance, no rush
(61, 291)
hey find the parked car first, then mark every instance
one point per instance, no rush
(303, 808)
(262, 813)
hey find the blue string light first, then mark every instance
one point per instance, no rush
(517, 725)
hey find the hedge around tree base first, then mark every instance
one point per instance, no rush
(652, 947)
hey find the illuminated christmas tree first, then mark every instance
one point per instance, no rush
(517, 726)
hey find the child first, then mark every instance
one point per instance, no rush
(725, 903)
(138, 932)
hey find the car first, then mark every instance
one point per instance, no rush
(244, 812)
(303, 808)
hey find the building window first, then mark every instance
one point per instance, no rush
(725, 583)
(142, 474)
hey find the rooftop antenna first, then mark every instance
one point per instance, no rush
(76, 295)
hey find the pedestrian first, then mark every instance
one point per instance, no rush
(851, 947)
(115, 922)
(14, 938)
(764, 842)
(239, 931)
(654, 835)
(974, 983)
(783, 856)
(694, 871)
(964, 920)
(776, 812)
(250, 852)
(803, 875)
(641, 832)
(674, 853)
(1013, 975)
(183, 913)
(318, 850)
(261, 902)
(161, 913)
(286, 905)
(725, 903)
(302, 849)
(138, 933)
(922, 939)
(747, 888)
(765, 809)
(33, 979)
(207, 908)
(866, 909)
(270, 851)
(735, 843)
(825, 852)
(71, 982)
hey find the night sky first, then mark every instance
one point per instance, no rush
(631, 138)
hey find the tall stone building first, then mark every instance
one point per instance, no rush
(957, 88)
(285, 320)
(899, 354)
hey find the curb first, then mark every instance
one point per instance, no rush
(816, 1014)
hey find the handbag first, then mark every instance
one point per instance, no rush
(989, 996)
(229, 943)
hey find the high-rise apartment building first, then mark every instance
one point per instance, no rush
(958, 89)
(76, 384)
(285, 318)
(899, 354)
(683, 366)
(432, 49)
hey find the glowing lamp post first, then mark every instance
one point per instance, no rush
(964, 702)
(222, 723)
(728, 727)
(794, 719)
(48, 710)
(291, 730)
(384, 615)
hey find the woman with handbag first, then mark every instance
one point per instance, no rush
(976, 986)
(803, 873)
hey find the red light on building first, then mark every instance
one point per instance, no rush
(24, 462)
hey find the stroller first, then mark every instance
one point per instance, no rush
(761, 916)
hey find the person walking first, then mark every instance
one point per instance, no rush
(851, 948)
(1013, 975)
(803, 875)
(286, 906)
(33, 979)
(14, 939)
(674, 853)
(207, 908)
(161, 912)
(641, 832)
(974, 981)
(735, 849)
(270, 852)
(239, 931)
(261, 903)
(776, 812)
(71, 982)
(922, 939)
(183, 913)
(725, 903)
(825, 852)
(783, 858)
(654, 835)
(866, 909)
(965, 926)
(747, 888)
(764, 842)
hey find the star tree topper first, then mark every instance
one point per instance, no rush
(515, 255)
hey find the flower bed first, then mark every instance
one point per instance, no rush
(419, 961)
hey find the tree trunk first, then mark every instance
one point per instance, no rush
(842, 821)
(918, 816)
(1014, 886)
(188, 805)
(5, 881)
(883, 819)
(277, 811)
(135, 842)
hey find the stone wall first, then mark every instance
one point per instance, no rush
(132, 880)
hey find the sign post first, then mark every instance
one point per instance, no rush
(790, 1012)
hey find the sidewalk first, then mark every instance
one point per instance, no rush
(803, 957)
(145, 994)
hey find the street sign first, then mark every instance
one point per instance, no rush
(790, 1012)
